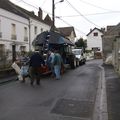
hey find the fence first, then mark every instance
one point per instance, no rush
(5, 60)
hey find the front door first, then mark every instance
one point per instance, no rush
(13, 53)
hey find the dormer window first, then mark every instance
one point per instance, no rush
(95, 34)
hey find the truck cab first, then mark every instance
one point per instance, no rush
(80, 56)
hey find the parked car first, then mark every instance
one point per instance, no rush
(80, 56)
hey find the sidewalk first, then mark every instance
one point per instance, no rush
(113, 92)
(7, 76)
(8, 79)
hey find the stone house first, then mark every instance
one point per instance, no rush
(111, 45)
(107, 42)
(116, 53)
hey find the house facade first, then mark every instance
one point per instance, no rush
(94, 39)
(68, 32)
(18, 28)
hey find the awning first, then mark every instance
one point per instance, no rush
(53, 38)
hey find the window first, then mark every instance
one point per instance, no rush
(2, 50)
(0, 30)
(35, 30)
(25, 34)
(2, 47)
(96, 48)
(41, 29)
(13, 32)
(13, 29)
(95, 34)
(22, 48)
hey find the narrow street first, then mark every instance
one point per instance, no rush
(71, 98)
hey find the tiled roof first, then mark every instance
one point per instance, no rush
(66, 31)
(48, 20)
(9, 6)
(113, 30)
(93, 30)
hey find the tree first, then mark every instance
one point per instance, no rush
(81, 43)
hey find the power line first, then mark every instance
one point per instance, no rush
(81, 14)
(43, 3)
(92, 14)
(71, 25)
(55, 16)
(94, 5)
(34, 6)
(29, 4)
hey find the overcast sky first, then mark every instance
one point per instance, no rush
(81, 14)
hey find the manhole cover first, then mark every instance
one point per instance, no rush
(73, 108)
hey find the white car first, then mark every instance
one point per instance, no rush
(80, 56)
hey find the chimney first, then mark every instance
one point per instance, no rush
(103, 29)
(40, 13)
(33, 12)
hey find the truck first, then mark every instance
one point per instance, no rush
(80, 56)
(48, 40)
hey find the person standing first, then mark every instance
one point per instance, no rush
(36, 61)
(57, 64)
(23, 65)
(50, 62)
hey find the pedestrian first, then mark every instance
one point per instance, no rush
(50, 61)
(36, 61)
(57, 64)
(23, 62)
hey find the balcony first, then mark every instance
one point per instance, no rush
(14, 37)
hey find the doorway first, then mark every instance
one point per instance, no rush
(13, 53)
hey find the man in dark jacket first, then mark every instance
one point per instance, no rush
(36, 61)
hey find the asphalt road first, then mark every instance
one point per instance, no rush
(71, 98)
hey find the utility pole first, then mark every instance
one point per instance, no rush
(53, 15)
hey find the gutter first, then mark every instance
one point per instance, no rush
(100, 108)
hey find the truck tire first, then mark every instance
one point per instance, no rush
(73, 64)
(77, 63)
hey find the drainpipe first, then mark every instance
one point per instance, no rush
(29, 36)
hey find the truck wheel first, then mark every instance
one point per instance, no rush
(80, 63)
(77, 63)
(73, 64)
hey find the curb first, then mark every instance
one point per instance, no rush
(7, 80)
(100, 109)
(103, 100)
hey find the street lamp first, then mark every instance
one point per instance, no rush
(53, 12)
